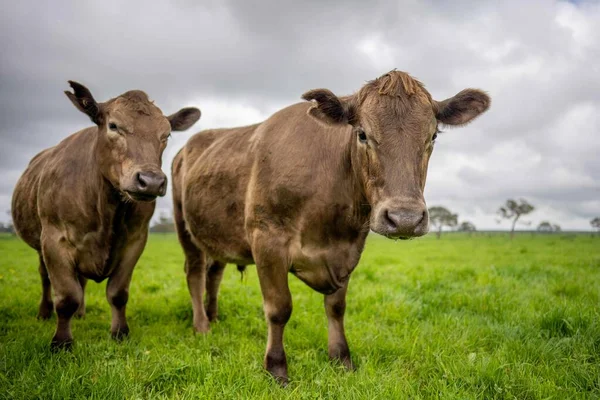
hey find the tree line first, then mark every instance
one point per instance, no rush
(512, 211)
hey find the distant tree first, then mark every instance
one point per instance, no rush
(513, 210)
(440, 217)
(466, 226)
(164, 224)
(7, 227)
(547, 227)
(596, 224)
(556, 228)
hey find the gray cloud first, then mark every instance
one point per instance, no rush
(240, 61)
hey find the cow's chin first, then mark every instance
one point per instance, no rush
(394, 237)
(139, 197)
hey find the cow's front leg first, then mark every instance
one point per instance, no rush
(59, 261)
(277, 302)
(335, 308)
(117, 288)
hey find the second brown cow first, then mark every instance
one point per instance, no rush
(85, 204)
(299, 193)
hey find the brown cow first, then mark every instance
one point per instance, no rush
(85, 204)
(299, 192)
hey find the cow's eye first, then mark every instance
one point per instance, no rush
(112, 126)
(165, 138)
(435, 135)
(362, 136)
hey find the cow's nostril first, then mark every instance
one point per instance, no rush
(423, 218)
(142, 181)
(392, 218)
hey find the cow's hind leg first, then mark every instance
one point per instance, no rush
(195, 270)
(195, 267)
(46, 305)
(213, 281)
(335, 307)
(81, 310)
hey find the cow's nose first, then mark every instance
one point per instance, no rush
(402, 222)
(151, 183)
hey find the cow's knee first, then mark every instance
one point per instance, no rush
(67, 304)
(119, 298)
(278, 314)
(337, 310)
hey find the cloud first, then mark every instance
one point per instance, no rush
(240, 61)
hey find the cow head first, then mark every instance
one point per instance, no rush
(395, 123)
(132, 135)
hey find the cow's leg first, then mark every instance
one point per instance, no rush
(46, 305)
(335, 307)
(277, 302)
(68, 295)
(195, 269)
(213, 281)
(195, 265)
(117, 288)
(81, 310)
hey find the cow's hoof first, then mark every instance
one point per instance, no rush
(212, 315)
(202, 327)
(277, 367)
(45, 311)
(281, 379)
(346, 362)
(44, 315)
(58, 344)
(120, 334)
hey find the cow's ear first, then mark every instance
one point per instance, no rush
(84, 101)
(328, 107)
(462, 108)
(184, 118)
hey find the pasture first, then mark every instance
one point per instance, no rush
(461, 317)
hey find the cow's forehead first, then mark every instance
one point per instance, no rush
(134, 102)
(135, 121)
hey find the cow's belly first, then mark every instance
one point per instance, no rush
(228, 249)
(222, 237)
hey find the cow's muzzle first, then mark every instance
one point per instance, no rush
(401, 219)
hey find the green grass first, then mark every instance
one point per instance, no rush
(462, 317)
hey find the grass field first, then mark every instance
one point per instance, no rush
(461, 317)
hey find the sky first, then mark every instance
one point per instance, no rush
(239, 62)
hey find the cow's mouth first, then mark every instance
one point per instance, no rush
(399, 237)
(142, 197)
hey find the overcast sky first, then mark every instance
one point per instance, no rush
(239, 62)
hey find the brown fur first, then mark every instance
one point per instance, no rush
(76, 204)
(299, 192)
